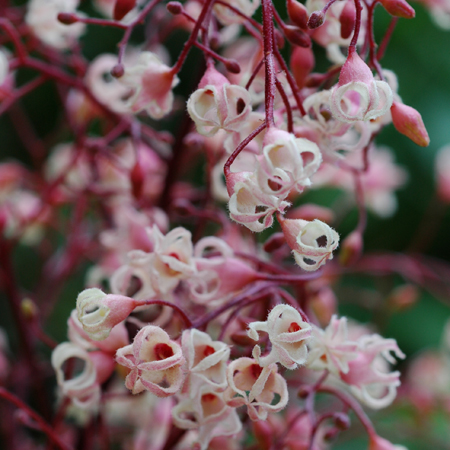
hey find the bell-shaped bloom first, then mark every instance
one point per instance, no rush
(331, 135)
(208, 413)
(218, 104)
(256, 387)
(42, 19)
(155, 363)
(358, 96)
(312, 243)
(368, 375)
(172, 258)
(378, 443)
(151, 82)
(249, 205)
(206, 361)
(99, 312)
(286, 163)
(228, 17)
(83, 389)
(330, 349)
(135, 278)
(288, 334)
(118, 337)
(219, 276)
(105, 88)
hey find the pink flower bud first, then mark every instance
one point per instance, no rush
(104, 365)
(347, 19)
(316, 19)
(324, 305)
(174, 8)
(298, 13)
(403, 297)
(122, 8)
(302, 63)
(351, 248)
(399, 8)
(99, 313)
(296, 36)
(409, 122)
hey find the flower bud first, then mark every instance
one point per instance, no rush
(342, 420)
(67, 18)
(298, 13)
(174, 8)
(351, 248)
(99, 313)
(232, 66)
(137, 180)
(104, 365)
(122, 8)
(316, 19)
(263, 433)
(403, 297)
(302, 62)
(275, 241)
(296, 36)
(118, 71)
(409, 122)
(399, 8)
(347, 19)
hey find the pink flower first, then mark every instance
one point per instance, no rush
(368, 375)
(151, 82)
(358, 96)
(208, 413)
(286, 163)
(249, 205)
(206, 361)
(218, 104)
(256, 387)
(330, 349)
(288, 334)
(99, 312)
(155, 362)
(312, 243)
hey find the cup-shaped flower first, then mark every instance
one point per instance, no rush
(219, 276)
(358, 96)
(99, 312)
(83, 389)
(312, 243)
(286, 163)
(368, 375)
(256, 387)
(288, 333)
(218, 104)
(330, 349)
(206, 361)
(151, 82)
(249, 205)
(154, 361)
(209, 414)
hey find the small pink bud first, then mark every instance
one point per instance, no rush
(122, 8)
(118, 71)
(279, 39)
(296, 36)
(351, 248)
(275, 241)
(342, 420)
(174, 8)
(347, 19)
(302, 62)
(67, 18)
(403, 297)
(316, 19)
(298, 13)
(409, 122)
(232, 66)
(323, 304)
(137, 180)
(399, 8)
